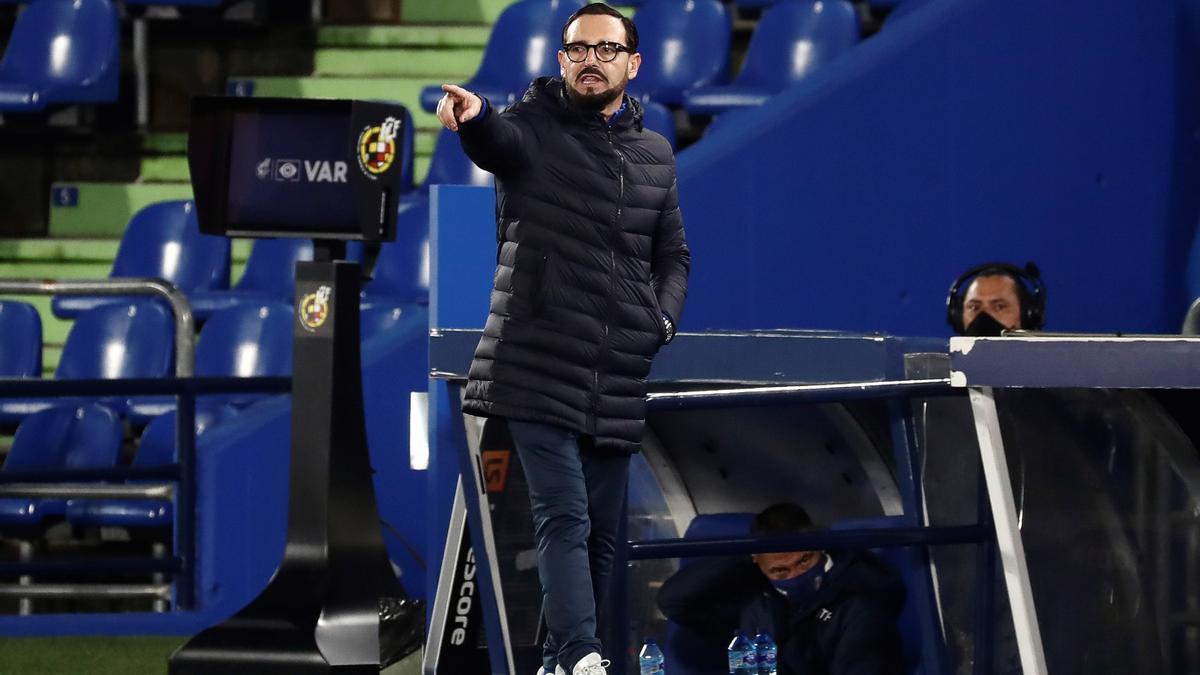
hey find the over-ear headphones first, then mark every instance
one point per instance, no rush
(1031, 291)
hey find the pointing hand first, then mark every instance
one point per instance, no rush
(457, 106)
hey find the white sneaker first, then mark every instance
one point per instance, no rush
(591, 664)
(557, 671)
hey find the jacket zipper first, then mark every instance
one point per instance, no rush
(612, 281)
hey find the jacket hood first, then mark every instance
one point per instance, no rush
(551, 91)
(856, 573)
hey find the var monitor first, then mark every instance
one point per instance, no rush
(314, 169)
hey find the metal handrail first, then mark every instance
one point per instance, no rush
(153, 492)
(797, 393)
(185, 325)
(160, 591)
(143, 386)
(654, 549)
(125, 473)
(84, 567)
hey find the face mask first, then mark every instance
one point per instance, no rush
(984, 325)
(801, 588)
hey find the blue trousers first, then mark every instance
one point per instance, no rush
(576, 499)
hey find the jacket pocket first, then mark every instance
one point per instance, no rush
(541, 284)
(658, 316)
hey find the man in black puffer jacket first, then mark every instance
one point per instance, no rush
(830, 612)
(590, 281)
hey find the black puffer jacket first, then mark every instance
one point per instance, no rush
(590, 254)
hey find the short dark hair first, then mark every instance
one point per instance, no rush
(631, 35)
(782, 518)
(1018, 284)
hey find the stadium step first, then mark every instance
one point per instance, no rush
(103, 209)
(165, 169)
(403, 36)
(406, 90)
(455, 65)
(71, 259)
(452, 11)
(165, 143)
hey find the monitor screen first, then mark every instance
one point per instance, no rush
(290, 169)
(297, 168)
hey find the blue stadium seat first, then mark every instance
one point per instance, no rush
(378, 319)
(523, 46)
(684, 45)
(61, 52)
(1191, 319)
(162, 240)
(395, 322)
(245, 341)
(156, 449)
(109, 342)
(408, 181)
(908, 562)
(449, 165)
(903, 8)
(659, 118)
(402, 269)
(78, 436)
(20, 340)
(754, 4)
(179, 3)
(793, 39)
(687, 653)
(270, 276)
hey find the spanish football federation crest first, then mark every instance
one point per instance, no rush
(314, 309)
(377, 147)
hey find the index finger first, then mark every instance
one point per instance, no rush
(455, 90)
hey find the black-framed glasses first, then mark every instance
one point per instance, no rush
(605, 51)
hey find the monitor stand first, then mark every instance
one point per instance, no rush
(320, 611)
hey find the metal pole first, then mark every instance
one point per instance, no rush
(908, 476)
(185, 325)
(796, 393)
(618, 597)
(985, 589)
(141, 69)
(25, 603)
(1008, 533)
(185, 502)
(654, 549)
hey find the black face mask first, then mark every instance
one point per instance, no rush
(984, 325)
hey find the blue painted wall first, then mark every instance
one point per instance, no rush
(970, 130)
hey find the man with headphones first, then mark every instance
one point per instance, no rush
(998, 297)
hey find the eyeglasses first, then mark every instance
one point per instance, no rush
(605, 51)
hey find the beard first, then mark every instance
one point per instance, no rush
(595, 101)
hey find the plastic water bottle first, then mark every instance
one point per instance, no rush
(743, 660)
(767, 652)
(651, 659)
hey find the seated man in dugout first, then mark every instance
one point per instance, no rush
(829, 612)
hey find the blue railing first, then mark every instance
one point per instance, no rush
(181, 477)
